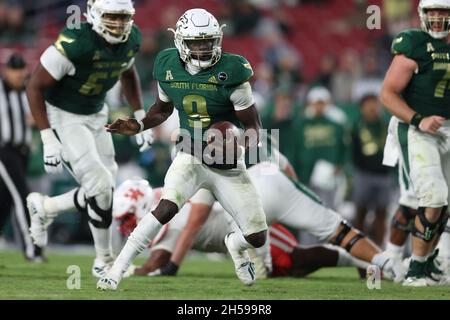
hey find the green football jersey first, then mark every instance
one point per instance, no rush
(98, 67)
(428, 91)
(204, 98)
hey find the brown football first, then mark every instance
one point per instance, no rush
(224, 135)
(224, 127)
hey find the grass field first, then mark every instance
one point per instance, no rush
(198, 279)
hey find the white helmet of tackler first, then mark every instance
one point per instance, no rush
(133, 196)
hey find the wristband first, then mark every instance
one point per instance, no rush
(139, 114)
(141, 124)
(170, 269)
(416, 119)
(48, 136)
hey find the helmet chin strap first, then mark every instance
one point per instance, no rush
(193, 67)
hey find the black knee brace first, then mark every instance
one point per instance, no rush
(77, 204)
(105, 215)
(343, 233)
(430, 229)
(409, 216)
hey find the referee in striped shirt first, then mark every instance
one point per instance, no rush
(15, 138)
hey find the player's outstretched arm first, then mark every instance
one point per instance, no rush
(157, 259)
(157, 114)
(197, 218)
(249, 118)
(40, 80)
(397, 78)
(198, 215)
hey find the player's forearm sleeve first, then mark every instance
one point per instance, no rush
(56, 64)
(242, 97)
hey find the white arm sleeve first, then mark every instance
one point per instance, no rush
(203, 196)
(242, 97)
(56, 63)
(162, 95)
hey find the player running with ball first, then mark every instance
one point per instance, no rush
(206, 86)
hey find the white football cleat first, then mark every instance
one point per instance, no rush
(244, 267)
(110, 281)
(415, 282)
(39, 219)
(437, 273)
(101, 267)
(445, 265)
(259, 266)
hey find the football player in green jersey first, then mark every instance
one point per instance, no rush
(416, 91)
(205, 86)
(67, 98)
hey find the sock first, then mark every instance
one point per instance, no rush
(381, 260)
(395, 250)
(101, 236)
(61, 203)
(237, 242)
(419, 258)
(102, 239)
(444, 245)
(138, 240)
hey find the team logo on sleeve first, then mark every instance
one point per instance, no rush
(169, 75)
(248, 66)
(222, 76)
(398, 40)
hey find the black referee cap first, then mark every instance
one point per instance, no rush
(16, 61)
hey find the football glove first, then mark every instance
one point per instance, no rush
(145, 138)
(170, 269)
(52, 152)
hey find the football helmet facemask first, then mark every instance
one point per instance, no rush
(111, 19)
(198, 38)
(429, 23)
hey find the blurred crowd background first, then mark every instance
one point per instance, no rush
(318, 72)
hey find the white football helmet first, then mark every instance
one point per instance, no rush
(427, 22)
(111, 19)
(132, 200)
(198, 38)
